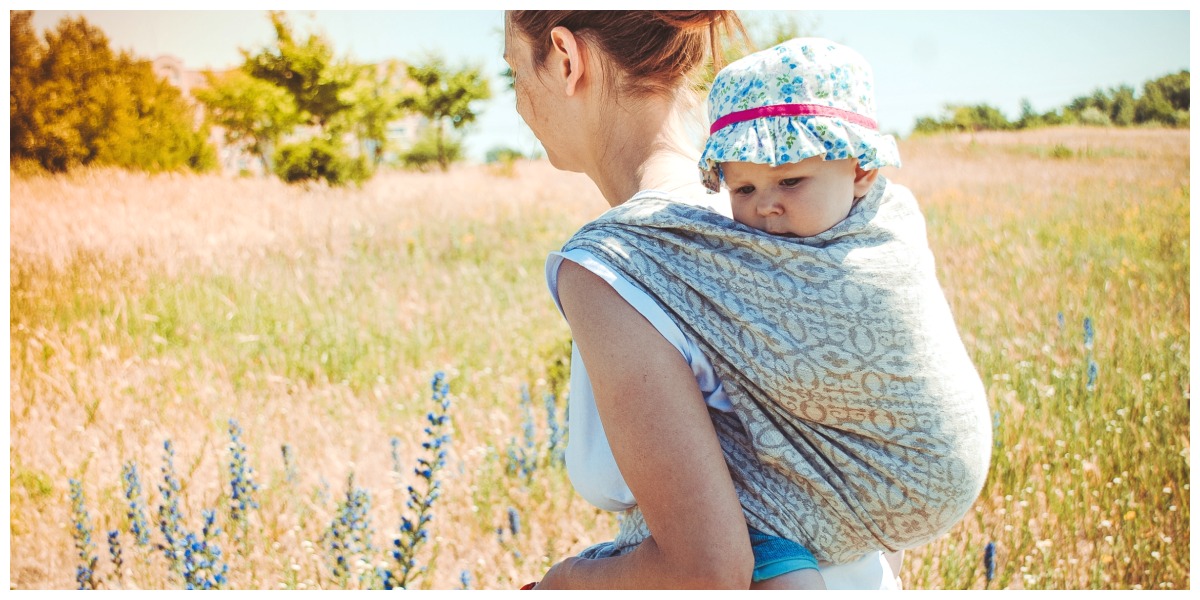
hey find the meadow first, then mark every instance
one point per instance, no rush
(258, 359)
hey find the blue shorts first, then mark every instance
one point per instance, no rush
(774, 556)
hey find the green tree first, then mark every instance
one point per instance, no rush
(375, 103)
(1165, 100)
(305, 68)
(963, 117)
(1176, 89)
(980, 117)
(1154, 107)
(252, 113)
(323, 90)
(429, 149)
(1122, 110)
(1029, 118)
(446, 96)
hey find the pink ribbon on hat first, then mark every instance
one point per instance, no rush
(792, 110)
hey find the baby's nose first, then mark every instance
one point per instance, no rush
(769, 206)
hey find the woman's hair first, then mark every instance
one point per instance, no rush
(657, 50)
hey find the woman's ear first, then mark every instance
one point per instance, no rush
(566, 58)
(863, 180)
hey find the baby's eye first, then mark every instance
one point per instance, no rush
(744, 190)
(790, 182)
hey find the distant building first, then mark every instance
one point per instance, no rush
(172, 69)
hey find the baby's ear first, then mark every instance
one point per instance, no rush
(863, 180)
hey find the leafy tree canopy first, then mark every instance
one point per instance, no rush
(76, 102)
(251, 112)
(305, 68)
(446, 96)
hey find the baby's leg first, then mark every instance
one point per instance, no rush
(781, 564)
(806, 579)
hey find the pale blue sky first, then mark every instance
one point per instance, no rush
(922, 59)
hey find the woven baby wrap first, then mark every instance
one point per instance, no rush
(859, 421)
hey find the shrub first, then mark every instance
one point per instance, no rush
(319, 158)
(424, 152)
(1094, 116)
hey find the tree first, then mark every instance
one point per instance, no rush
(1176, 89)
(1029, 118)
(1123, 107)
(25, 52)
(375, 103)
(445, 96)
(75, 102)
(306, 69)
(1166, 100)
(429, 149)
(252, 113)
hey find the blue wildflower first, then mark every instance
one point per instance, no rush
(170, 519)
(522, 459)
(114, 550)
(85, 572)
(989, 560)
(241, 482)
(414, 527)
(349, 534)
(1092, 372)
(138, 526)
(203, 568)
(514, 521)
(1089, 334)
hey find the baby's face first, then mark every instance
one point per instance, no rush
(803, 198)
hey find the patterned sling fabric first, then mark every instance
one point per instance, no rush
(859, 421)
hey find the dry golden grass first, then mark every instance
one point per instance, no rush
(147, 308)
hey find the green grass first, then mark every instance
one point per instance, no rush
(324, 334)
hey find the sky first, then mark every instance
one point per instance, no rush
(922, 59)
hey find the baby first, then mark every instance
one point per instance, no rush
(795, 142)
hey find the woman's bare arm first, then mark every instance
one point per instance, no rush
(665, 446)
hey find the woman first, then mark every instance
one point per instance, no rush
(609, 94)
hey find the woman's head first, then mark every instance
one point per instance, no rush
(653, 51)
(572, 69)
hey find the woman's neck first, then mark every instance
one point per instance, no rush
(645, 148)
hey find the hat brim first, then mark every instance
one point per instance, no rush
(780, 140)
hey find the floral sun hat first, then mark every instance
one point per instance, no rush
(803, 98)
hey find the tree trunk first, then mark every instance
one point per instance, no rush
(441, 152)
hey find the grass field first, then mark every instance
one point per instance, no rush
(154, 308)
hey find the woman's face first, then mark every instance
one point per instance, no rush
(539, 103)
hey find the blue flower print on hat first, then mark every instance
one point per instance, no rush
(802, 98)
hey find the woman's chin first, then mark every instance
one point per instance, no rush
(562, 165)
